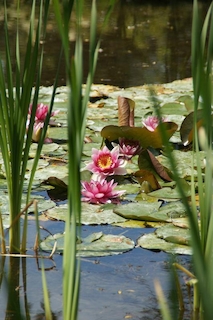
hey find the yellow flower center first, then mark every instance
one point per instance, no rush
(104, 161)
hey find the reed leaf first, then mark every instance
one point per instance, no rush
(16, 93)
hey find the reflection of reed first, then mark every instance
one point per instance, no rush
(13, 285)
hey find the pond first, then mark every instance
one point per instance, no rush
(143, 43)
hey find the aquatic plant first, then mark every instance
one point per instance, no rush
(152, 122)
(17, 94)
(201, 224)
(128, 148)
(106, 162)
(77, 110)
(100, 191)
(39, 121)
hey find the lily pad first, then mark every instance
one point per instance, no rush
(143, 135)
(91, 214)
(168, 193)
(171, 233)
(152, 242)
(43, 204)
(140, 211)
(95, 245)
(151, 211)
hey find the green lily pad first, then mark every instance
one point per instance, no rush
(140, 211)
(95, 245)
(91, 214)
(152, 242)
(151, 211)
(183, 162)
(171, 233)
(168, 193)
(43, 204)
(47, 149)
(143, 135)
(174, 108)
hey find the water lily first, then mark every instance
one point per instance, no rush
(106, 162)
(40, 116)
(96, 192)
(152, 122)
(128, 148)
(41, 112)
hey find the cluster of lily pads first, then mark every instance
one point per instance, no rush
(107, 163)
(128, 182)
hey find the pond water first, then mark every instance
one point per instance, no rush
(144, 42)
(114, 287)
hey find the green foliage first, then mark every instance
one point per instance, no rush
(17, 92)
(143, 135)
(77, 107)
(201, 228)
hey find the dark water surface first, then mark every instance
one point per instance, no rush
(144, 41)
(114, 287)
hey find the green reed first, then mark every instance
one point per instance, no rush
(17, 91)
(77, 111)
(201, 227)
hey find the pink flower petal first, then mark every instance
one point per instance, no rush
(99, 191)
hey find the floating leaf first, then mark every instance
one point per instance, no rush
(172, 193)
(183, 161)
(151, 211)
(140, 211)
(91, 214)
(94, 245)
(57, 183)
(143, 135)
(188, 101)
(152, 242)
(174, 234)
(174, 108)
(43, 204)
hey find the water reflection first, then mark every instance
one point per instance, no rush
(143, 42)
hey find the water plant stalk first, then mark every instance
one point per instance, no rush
(201, 223)
(77, 112)
(17, 92)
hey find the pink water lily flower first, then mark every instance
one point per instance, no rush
(40, 116)
(96, 192)
(128, 148)
(41, 112)
(152, 122)
(106, 162)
